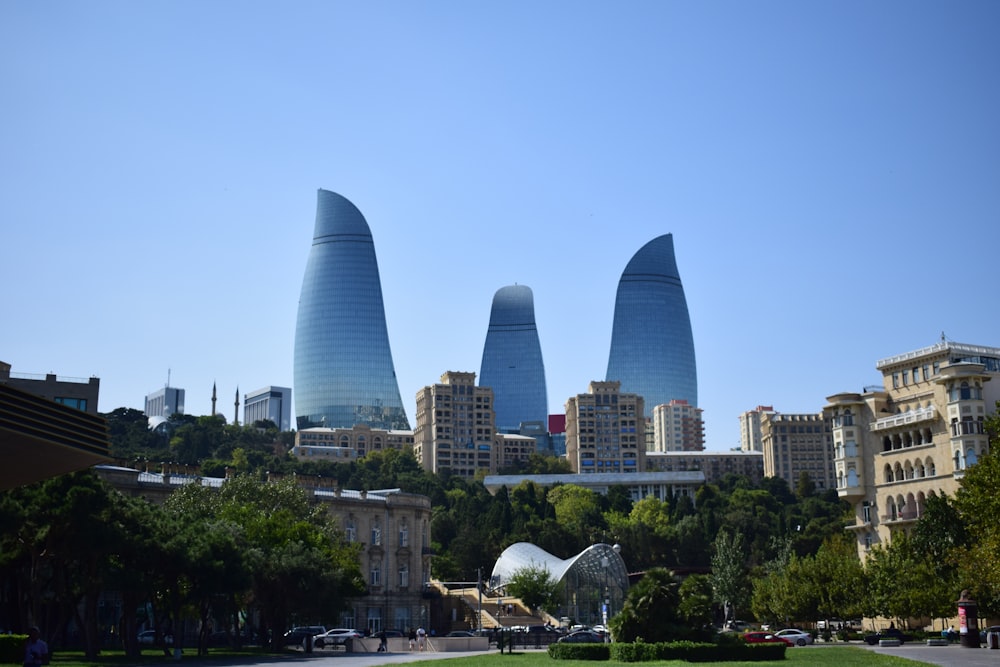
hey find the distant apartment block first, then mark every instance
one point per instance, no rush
(455, 426)
(78, 393)
(660, 485)
(750, 439)
(165, 402)
(272, 404)
(914, 437)
(797, 443)
(714, 465)
(678, 427)
(605, 430)
(347, 444)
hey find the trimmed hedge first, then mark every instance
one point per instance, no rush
(688, 651)
(581, 651)
(12, 649)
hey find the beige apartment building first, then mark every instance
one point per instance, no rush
(456, 429)
(713, 465)
(605, 430)
(913, 437)
(797, 443)
(343, 445)
(750, 428)
(678, 427)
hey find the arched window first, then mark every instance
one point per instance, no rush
(852, 478)
(931, 472)
(888, 473)
(959, 461)
(970, 457)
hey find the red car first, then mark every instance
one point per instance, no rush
(764, 638)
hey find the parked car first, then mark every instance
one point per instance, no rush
(297, 634)
(460, 633)
(798, 637)
(148, 638)
(583, 637)
(889, 633)
(759, 637)
(335, 637)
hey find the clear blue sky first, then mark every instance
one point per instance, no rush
(830, 172)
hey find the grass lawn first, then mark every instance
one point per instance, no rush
(831, 656)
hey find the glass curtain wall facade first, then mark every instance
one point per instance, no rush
(652, 348)
(512, 361)
(343, 370)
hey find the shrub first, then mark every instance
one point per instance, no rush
(698, 652)
(12, 649)
(571, 651)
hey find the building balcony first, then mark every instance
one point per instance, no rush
(851, 492)
(908, 516)
(904, 419)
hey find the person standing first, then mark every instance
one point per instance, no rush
(36, 651)
(412, 638)
(421, 638)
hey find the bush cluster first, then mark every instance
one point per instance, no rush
(12, 649)
(682, 650)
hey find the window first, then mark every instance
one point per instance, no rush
(895, 380)
(376, 574)
(350, 530)
(78, 403)
(404, 576)
(376, 533)
(866, 512)
(404, 534)
(916, 374)
(906, 378)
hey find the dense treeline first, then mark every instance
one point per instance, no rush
(207, 556)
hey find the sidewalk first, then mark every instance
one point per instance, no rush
(953, 655)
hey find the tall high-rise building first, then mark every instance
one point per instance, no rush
(455, 427)
(750, 440)
(512, 361)
(652, 348)
(165, 402)
(677, 427)
(796, 443)
(605, 430)
(272, 404)
(343, 370)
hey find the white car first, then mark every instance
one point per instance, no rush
(796, 636)
(334, 637)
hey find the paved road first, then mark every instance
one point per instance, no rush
(953, 655)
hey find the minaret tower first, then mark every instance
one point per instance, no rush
(213, 399)
(236, 409)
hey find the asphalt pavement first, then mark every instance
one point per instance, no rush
(952, 655)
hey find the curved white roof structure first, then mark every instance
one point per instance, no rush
(597, 566)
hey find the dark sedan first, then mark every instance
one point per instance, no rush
(889, 633)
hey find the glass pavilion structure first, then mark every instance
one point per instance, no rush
(593, 583)
(343, 370)
(512, 361)
(652, 348)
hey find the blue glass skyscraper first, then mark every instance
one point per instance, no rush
(512, 360)
(652, 349)
(343, 365)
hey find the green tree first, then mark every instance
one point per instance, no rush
(535, 587)
(650, 611)
(730, 577)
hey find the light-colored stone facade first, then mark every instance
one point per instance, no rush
(346, 444)
(678, 427)
(750, 428)
(392, 527)
(797, 443)
(714, 465)
(456, 426)
(914, 437)
(605, 430)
